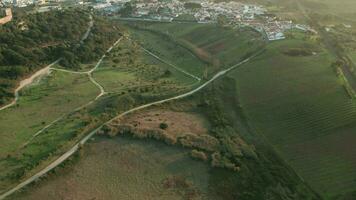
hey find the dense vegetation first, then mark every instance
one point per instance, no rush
(33, 40)
(103, 34)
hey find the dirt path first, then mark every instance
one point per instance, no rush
(89, 73)
(75, 148)
(174, 66)
(28, 81)
(44, 71)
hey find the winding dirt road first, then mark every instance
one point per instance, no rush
(44, 71)
(75, 148)
(28, 81)
(90, 75)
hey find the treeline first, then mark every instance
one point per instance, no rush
(33, 40)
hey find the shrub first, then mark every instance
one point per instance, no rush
(205, 142)
(199, 155)
(163, 126)
(217, 160)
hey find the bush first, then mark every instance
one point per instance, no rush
(163, 126)
(205, 142)
(199, 155)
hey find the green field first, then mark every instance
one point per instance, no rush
(167, 49)
(59, 138)
(40, 104)
(220, 46)
(200, 49)
(122, 168)
(129, 68)
(132, 81)
(300, 106)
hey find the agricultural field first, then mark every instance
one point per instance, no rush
(298, 103)
(124, 168)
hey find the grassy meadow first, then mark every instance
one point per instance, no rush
(123, 168)
(129, 69)
(301, 107)
(40, 104)
(200, 49)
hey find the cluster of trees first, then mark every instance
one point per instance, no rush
(32, 40)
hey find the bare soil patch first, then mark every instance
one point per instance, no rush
(177, 122)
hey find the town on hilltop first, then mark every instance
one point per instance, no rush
(235, 14)
(231, 13)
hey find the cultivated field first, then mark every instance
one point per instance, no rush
(298, 103)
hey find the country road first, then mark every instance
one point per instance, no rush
(75, 148)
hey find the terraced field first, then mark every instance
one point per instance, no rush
(300, 106)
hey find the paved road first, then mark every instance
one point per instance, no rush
(75, 148)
